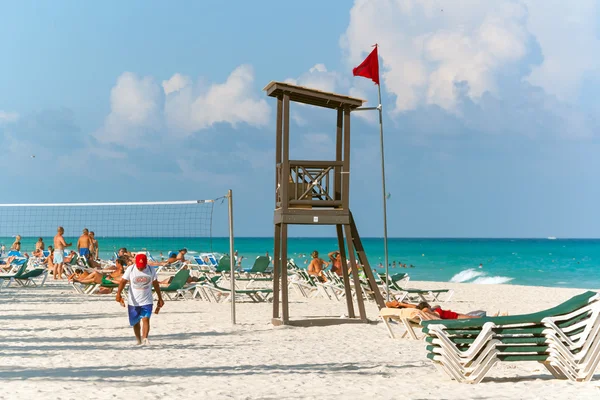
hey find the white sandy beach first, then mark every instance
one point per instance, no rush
(58, 344)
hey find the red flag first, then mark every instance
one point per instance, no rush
(369, 68)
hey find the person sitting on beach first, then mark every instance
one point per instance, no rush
(69, 258)
(316, 267)
(125, 255)
(16, 246)
(336, 262)
(181, 255)
(39, 245)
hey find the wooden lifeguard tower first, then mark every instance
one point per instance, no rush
(316, 193)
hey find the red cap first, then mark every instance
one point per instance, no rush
(141, 260)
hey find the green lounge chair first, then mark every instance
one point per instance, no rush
(19, 272)
(224, 264)
(175, 286)
(256, 295)
(565, 339)
(260, 266)
(28, 277)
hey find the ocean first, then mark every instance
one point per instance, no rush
(571, 263)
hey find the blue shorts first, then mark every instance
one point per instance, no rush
(136, 313)
(84, 252)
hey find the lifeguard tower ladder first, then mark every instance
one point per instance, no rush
(316, 193)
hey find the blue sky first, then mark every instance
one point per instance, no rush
(491, 111)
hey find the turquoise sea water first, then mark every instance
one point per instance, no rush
(541, 262)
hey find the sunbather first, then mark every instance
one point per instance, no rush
(125, 255)
(39, 245)
(316, 267)
(98, 277)
(435, 312)
(167, 282)
(336, 262)
(181, 255)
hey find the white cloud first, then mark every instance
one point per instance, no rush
(428, 47)
(234, 101)
(134, 105)
(567, 34)
(176, 83)
(141, 108)
(6, 116)
(318, 77)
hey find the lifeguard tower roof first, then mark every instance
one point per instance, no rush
(311, 96)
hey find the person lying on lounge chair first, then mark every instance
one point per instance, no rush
(98, 277)
(167, 282)
(436, 311)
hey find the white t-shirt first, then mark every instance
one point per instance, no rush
(140, 285)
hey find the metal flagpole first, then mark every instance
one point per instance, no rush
(385, 241)
(231, 257)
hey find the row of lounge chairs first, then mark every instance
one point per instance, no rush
(565, 339)
(333, 289)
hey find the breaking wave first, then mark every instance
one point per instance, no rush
(472, 275)
(466, 275)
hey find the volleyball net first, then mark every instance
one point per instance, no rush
(156, 227)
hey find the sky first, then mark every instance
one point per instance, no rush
(490, 108)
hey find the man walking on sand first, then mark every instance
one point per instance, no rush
(141, 278)
(59, 252)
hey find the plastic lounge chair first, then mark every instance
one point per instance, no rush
(256, 295)
(410, 318)
(260, 266)
(396, 281)
(565, 338)
(18, 270)
(202, 266)
(178, 282)
(224, 264)
(28, 277)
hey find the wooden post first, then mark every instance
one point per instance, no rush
(276, 269)
(278, 150)
(338, 155)
(346, 168)
(347, 289)
(285, 161)
(285, 314)
(356, 279)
